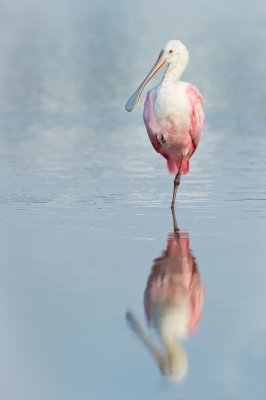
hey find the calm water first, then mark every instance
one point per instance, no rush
(85, 199)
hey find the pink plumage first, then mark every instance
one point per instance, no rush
(173, 112)
(175, 276)
(175, 139)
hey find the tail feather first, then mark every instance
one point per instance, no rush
(174, 166)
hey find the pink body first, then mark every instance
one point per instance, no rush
(174, 276)
(174, 134)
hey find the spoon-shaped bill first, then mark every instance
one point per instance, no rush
(133, 100)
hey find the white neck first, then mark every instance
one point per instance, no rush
(173, 73)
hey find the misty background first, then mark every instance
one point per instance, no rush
(85, 199)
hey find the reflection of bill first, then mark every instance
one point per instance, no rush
(173, 303)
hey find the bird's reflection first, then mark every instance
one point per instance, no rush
(173, 302)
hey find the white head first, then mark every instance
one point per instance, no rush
(175, 55)
(175, 52)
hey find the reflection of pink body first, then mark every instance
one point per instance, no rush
(175, 283)
(173, 302)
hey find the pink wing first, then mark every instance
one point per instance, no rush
(150, 122)
(197, 116)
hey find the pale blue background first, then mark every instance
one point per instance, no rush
(85, 199)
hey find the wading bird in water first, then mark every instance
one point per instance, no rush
(173, 112)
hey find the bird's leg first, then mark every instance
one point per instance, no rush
(176, 184)
(176, 229)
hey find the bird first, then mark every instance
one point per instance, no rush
(173, 304)
(173, 111)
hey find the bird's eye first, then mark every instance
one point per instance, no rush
(170, 51)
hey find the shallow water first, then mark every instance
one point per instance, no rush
(85, 199)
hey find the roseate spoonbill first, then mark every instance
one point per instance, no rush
(173, 112)
(173, 302)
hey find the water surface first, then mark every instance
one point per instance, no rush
(85, 199)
